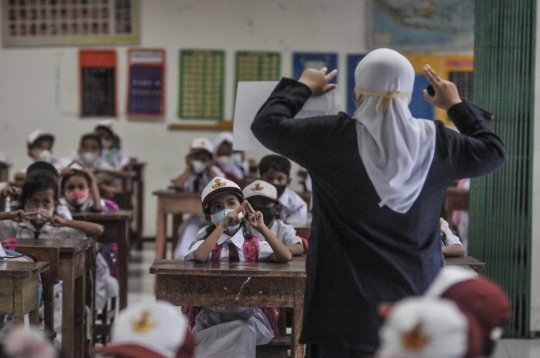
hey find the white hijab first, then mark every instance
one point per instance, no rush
(396, 148)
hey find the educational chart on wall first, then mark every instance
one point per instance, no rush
(146, 83)
(257, 66)
(97, 70)
(202, 81)
(316, 60)
(69, 22)
(412, 24)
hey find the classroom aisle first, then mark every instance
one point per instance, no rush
(141, 287)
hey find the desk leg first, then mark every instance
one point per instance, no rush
(123, 248)
(79, 332)
(18, 301)
(297, 348)
(68, 314)
(48, 303)
(161, 231)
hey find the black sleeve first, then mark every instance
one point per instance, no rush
(277, 129)
(477, 150)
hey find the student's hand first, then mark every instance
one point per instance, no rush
(234, 217)
(12, 190)
(20, 216)
(446, 93)
(255, 218)
(317, 81)
(57, 221)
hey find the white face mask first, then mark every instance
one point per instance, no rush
(198, 166)
(43, 156)
(43, 214)
(224, 161)
(88, 157)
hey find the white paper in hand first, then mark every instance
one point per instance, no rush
(251, 95)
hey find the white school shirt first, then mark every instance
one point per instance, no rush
(285, 233)
(451, 239)
(238, 240)
(235, 169)
(99, 162)
(204, 179)
(25, 230)
(294, 210)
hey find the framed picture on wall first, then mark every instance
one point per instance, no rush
(97, 70)
(69, 22)
(418, 25)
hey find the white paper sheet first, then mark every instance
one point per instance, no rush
(251, 95)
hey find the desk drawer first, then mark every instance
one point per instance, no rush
(226, 291)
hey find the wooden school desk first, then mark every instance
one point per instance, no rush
(176, 203)
(69, 260)
(19, 289)
(234, 284)
(116, 230)
(470, 261)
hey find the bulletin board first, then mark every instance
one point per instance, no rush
(202, 81)
(146, 83)
(97, 71)
(257, 66)
(316, 60)
(352, 62)
(69, 22)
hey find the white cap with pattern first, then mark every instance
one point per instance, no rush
(261, 188)
(202, 143)
(218, 186)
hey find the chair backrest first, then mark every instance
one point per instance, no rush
(304, 232)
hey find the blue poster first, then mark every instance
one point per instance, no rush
(419, 107)
(145, 96)
(317, 60)
(352, 62)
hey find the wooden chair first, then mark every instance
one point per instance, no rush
(457, 199)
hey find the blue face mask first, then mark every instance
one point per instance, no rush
(218, 218)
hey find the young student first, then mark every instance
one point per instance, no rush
(276, 170)
(451, 245)
(198, 173)
(39, 148)
(79, 190)
(233, 331)
(262, 196)
(37, 216)
(225, 157)
(150, 330)
(111, 143)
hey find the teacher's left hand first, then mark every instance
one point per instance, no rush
(317, 81)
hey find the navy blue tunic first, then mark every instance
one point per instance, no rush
(361, 254)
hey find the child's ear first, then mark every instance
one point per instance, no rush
(289, 181)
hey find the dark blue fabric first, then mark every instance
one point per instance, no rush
(361, 254)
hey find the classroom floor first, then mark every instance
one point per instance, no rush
(141, 288)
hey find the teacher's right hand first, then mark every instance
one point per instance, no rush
(446, 93)
(317, 81)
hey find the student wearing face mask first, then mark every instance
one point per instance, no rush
(262, 196)
(111, 144)
(226, 159)
(90, 153)
(199, 171)
(39, 149)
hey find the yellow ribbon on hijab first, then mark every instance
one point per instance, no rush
(384, 101)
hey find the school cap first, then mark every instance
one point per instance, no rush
(150, 330)
(261, 188)
(427, 327)
(223, 137)
(202, 143)
(218, 186)
(108, 125)
(38, 134)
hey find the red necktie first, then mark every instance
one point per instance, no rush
(233, 253)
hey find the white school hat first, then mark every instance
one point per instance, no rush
(150, 330)
(38, 134)
(261, 188)
(202, 143)
(218, 186)
(223, 137)
(448, 276)
(426, 328)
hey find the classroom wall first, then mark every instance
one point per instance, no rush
(38, 86)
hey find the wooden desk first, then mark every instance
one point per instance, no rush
(138, 202)
(69, 260)
(176, 203)
(470, 261)
(233, 284)
(19, 289)
(116, 230)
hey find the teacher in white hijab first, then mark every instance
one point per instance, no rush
(379, 180)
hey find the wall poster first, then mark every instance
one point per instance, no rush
(97, 69)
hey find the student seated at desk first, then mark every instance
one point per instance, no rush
(276, 170)
(111, 141)
(234, 331)
(38, 218)
(39, 145)
(262, 196)
(226, 159)
(198, 173)
(451, 246)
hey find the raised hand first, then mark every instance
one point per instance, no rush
(446, 93)
(57, 221)
(255, 218)
(235, 216)
(317, 81)
(20, 216)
